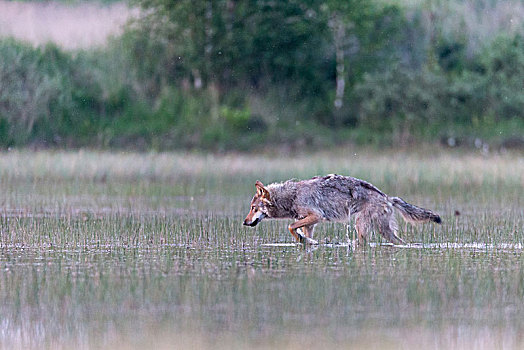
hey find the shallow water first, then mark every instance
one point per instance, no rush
(442, 245)
(124, 263)
(99, 296)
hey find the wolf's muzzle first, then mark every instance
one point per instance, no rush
(252, 223)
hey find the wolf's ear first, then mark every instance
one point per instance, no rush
(261, 190)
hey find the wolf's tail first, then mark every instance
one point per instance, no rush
(412, 213)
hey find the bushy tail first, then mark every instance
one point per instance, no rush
(412, 213)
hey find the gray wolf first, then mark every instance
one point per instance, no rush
(333, 198)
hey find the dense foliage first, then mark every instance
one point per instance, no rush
(242, 74)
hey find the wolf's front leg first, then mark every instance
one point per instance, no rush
(297, 235)
(304, 225)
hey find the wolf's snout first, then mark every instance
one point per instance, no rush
(251, 223)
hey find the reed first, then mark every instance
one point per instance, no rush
(128, 250)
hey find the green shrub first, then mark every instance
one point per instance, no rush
(500, 69)
(26, 91)
(236, 118)
(401, 105)
(51, 97)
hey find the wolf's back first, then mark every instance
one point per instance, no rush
(412, 213)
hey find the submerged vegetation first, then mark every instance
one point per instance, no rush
(211, 75)
(127, 250)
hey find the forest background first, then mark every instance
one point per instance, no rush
(291, 75)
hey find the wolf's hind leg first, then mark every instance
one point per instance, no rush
(362, 226)
(308, 230)
(387, 226)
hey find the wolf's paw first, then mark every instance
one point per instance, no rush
(306, 240)
(310, 241)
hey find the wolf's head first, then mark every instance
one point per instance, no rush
(259, 206)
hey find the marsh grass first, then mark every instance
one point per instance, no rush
(133, 250)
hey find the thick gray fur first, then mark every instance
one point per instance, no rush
(337, 198)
